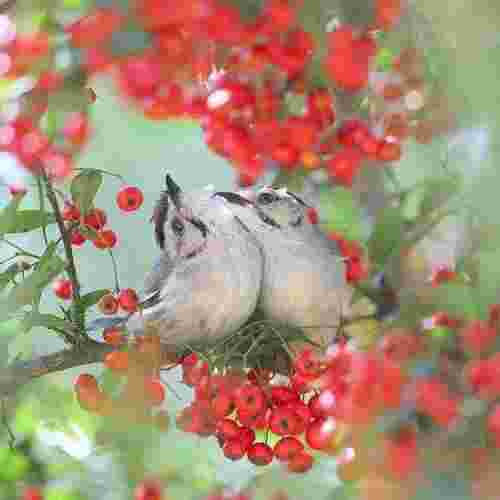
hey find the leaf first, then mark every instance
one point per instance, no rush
(84, 188)
(24, 221)
(342, 214)
(48, 267)
(437, 192)
(8, 215)
(8, 275)
(457, 299)
(49, 321)
(294, 181)
(488, 286)
(92, 298)
(387, 235)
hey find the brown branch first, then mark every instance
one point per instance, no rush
(78, 313)
(5, 6)
(20, 373)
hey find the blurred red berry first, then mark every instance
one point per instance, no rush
(63, 288)
(128, 300)
(129, 199)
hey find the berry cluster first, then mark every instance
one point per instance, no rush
(92, 225)
(142, 391)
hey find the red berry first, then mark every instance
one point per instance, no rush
(117, 361)
(478, 336)
(493, 423)
(286, 448)
(260, 454)
(76, 129)
(300, 463)
(86, 382)
(345, 165)
(321, 432)
(389, 151)
(154, 391)
(148, 490)
(96, 219)
(113, 336)
(250, 399)
(129, 199)
(32, 493)
(63, 288)
(282, 395)
(286, 155)
(246, 437)
(222, 405)
(108, 304)
(227, 429)
(128, 300)
(94, 28)
(105, 239)
(233, 449)
(77, 238)
(58, 165)
(71, 212)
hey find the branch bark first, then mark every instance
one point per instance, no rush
(13, 377)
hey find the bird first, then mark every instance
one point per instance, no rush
(206, 282)
(304, 283)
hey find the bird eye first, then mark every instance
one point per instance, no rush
(177, 226)
(266, 198)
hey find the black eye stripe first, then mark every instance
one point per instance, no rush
(160, 216)
(234, 198)
(200, 225)
(297, 199)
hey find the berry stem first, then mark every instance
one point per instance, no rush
(115, 271)
(105, 172)
(78, 313)
(41, 201)
(20, 251)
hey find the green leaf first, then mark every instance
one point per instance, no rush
(24, 221)
(294, 181)
(457, 299)
(342, 214)
(8, 215)
(49, 266)
(84, 188)
(437, 192)
(384, 59)
(92, 298)
(488, 286)
(49, 321)
(387, 236)
(8, 275)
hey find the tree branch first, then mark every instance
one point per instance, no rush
(22, 372)
(78, 316)
(6, 6)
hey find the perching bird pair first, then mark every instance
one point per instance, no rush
(225, 255)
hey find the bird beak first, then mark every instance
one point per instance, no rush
(174, 191)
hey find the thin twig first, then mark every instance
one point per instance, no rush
(115, 271)
(78, 311)
(5, 423)
(41, 201)
(21, 251)
(7, 5)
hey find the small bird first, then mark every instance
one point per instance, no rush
(303, 283)
(206, 282)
